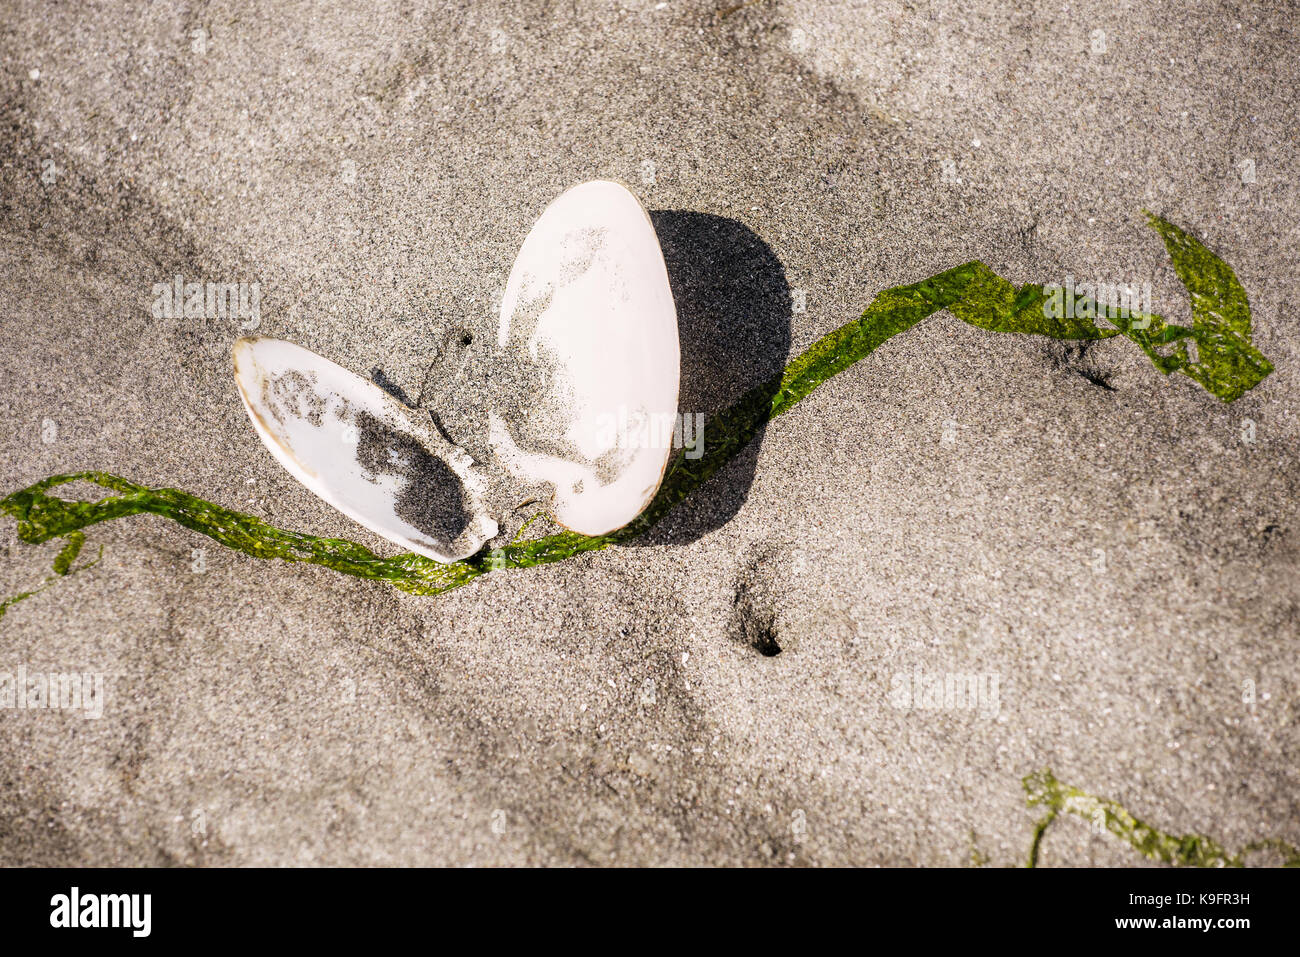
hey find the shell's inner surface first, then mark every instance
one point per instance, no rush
(590, 363)
(361, 451)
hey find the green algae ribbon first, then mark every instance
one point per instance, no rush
(63, 568)
(1215, 351)
(1179, 850)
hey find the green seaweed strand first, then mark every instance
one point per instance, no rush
(1225, 363)
(1180, 850)
(63, 567)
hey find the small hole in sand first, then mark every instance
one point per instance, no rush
(765, 643)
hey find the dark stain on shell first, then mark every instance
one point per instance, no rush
(293, 393)
(432, 498)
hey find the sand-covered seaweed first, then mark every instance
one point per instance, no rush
(1042, 789)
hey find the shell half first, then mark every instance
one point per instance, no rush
(588, 331)
(361, 451)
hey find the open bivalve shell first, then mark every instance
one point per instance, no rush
(359, 449)
(586, 369)
(589, 311)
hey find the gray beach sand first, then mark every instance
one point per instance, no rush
(1121, 551)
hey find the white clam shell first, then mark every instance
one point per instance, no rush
(588, 320)
(362, 451)
(588, 366)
